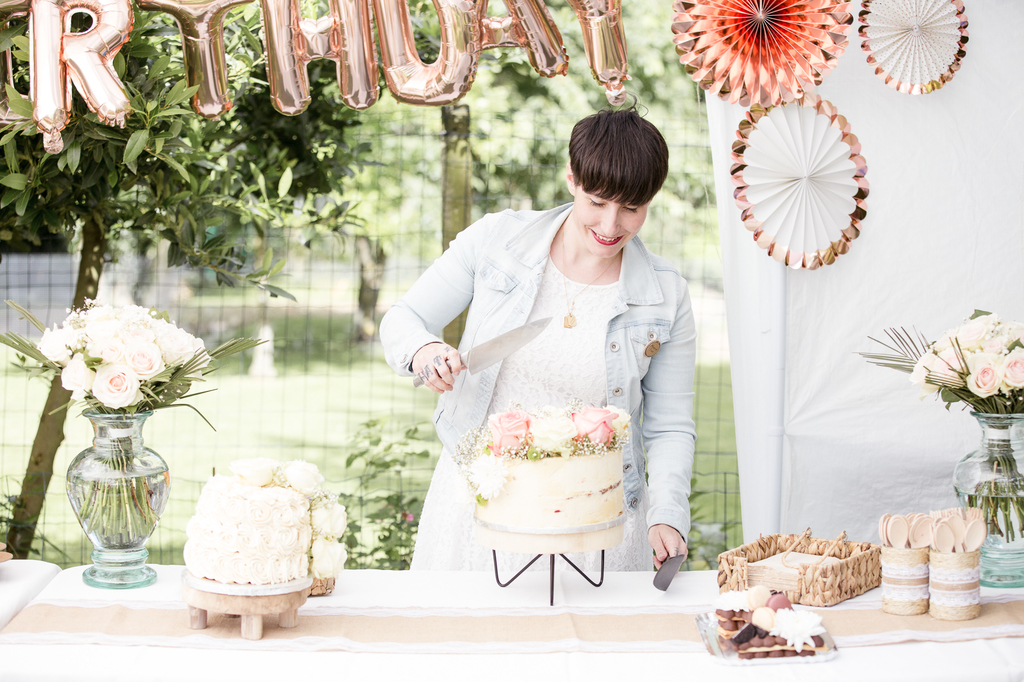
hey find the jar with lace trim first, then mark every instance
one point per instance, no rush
(953, 585)
(989, 478)
(904, 581)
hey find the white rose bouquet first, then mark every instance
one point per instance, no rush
(328, 519)
(121, 360)
(577, 430)
(980, 363)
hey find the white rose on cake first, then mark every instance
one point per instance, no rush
(554, 433)
(621, 420)
(303, 476)
(257, 471)
(328, 558)
(330, 521)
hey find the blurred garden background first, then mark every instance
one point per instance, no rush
(354, 205)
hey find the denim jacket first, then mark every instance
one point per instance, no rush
(495, 267)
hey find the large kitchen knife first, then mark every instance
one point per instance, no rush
(500, 347)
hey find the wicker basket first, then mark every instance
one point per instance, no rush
(858, 569)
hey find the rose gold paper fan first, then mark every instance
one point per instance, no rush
(760, 51)
(800, 181)
(915, 45)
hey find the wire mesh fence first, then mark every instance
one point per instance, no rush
(320, 390)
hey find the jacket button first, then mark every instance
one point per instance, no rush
(627, 467)
(614, 346)
(616, 391)
(634, 503)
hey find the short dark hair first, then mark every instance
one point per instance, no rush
(618, 156)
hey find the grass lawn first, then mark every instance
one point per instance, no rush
(314, 415)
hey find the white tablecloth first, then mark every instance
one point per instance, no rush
(421, 593)
(20, 581)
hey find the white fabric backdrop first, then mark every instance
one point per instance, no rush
(944, 235)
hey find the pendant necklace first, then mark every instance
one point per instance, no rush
(569, 321)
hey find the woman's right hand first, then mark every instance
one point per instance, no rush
(437, 364)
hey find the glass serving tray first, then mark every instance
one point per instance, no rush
(707, 626)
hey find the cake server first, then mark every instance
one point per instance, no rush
(484, 355)
(669, 569)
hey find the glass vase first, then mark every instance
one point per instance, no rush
(118, 489)
(989, 478)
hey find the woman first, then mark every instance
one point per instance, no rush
(623, 335)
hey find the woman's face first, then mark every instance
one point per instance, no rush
(603, 226)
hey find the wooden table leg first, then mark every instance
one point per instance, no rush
(288, 619)
(252, 627)
(196, 618)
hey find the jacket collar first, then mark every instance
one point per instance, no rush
(637, 281)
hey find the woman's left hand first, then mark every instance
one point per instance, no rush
(666, 541)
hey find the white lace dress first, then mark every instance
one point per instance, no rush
(559, 365)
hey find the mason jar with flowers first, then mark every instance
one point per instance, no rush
(123, 364)
(980, 364)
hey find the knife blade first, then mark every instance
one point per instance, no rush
(484, 355)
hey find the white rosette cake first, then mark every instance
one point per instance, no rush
(268, 524)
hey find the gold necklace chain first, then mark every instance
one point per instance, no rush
(570, 320)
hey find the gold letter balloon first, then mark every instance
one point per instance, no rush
(60, 57)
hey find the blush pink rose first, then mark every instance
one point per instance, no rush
(116, 386)
(595, 423)
(509, 430)
(986, 374)
(1013, 369)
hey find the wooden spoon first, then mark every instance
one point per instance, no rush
(942, 539)
(957, 525)
(975, 535)
(883, 538)
(921, 533)
(898, 531)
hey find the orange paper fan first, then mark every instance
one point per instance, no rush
(763, 52)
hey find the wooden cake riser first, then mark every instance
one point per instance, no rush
(250, 608)
(526, 543)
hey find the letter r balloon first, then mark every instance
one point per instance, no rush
(60, 57)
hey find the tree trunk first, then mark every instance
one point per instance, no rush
(371, 273)
(456, 192)
(50, 434)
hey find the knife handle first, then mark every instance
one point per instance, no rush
(417, 382)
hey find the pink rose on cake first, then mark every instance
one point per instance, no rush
(596, 424)
(509, 430)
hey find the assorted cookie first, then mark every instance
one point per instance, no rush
(759, 623)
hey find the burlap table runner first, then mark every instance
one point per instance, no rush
(428, 632)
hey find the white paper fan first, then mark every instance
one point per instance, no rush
(915, 45)
(800, 181)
